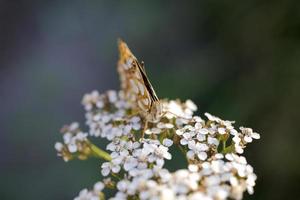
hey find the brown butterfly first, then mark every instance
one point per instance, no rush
(136, 85)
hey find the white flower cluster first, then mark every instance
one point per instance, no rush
(241, 139)
(138, 150)
(135, 157)
(203, 137)
(94, 194)
(139, 160)
(220, 178)
(75, 141)
(107, 115)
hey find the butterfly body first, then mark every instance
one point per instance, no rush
(136, 85)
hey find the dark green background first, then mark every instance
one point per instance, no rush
(239, 60)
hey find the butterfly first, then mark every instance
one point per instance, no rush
(136, 85)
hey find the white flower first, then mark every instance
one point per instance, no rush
(85, 194)
(167, 142)
(222, 130)
(175, 108)
(123, 185)
(191, 105)
(193, 168)
(198, 196)
(130, 163)
(72, 147)
(197, 148)
(249, 134)
(211, 117)
(160, 153)
(162, 125)
(212, 141)
(187, 138)
(219, 156)
(179, 132)
(178, 110)
(112, 96)
(109, 166)
(203, 131)
(67, 137)
(226, 123)
(73, 126)
(58, 146)
(155, 130)
(200, 137)
(90, 99)
(135, 123)
(99, 186)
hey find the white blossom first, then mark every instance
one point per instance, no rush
(94, 194)
(138, 151)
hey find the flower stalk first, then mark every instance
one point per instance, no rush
(99, 152)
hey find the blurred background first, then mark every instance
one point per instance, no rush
(239, 60)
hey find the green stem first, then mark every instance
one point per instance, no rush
(229, 149)
(224, 144)
(183, 151)
(102, 196)
(100, 153)
(116, 176)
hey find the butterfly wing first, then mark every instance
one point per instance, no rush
(134, 81)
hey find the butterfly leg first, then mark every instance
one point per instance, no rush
(145, 128)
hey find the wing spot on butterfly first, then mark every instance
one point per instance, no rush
(141, 88)
(146, 102)
(142, 106)
(128, 63)
(134, 86)
(138, 75)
